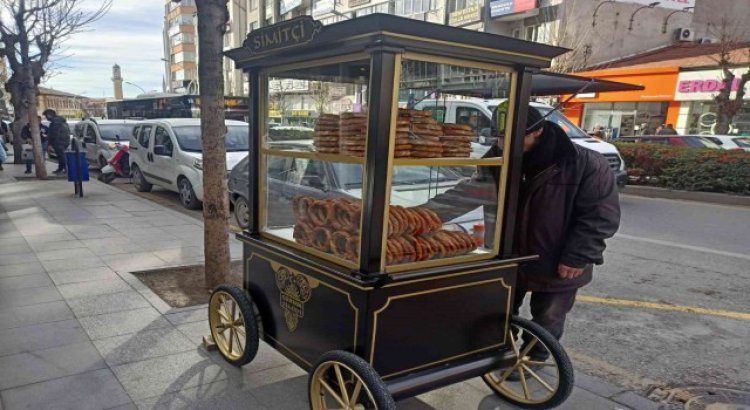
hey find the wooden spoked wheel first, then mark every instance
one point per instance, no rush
(342, 380)
(233, 324)
(542, 375)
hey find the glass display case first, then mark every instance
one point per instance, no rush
(443, 184)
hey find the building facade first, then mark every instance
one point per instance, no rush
(70, 106)
(180, 47)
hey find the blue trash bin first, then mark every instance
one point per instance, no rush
(71, 163)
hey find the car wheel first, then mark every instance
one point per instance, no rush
(242, 212)
(141, 185)
(187, 195)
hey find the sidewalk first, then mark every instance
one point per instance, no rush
(78, 331)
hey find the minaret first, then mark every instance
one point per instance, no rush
(117, 80)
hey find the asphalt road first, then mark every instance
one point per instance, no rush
(670, 306)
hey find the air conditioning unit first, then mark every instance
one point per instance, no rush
(706, 40)
(685, 34)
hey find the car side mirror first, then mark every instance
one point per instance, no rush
(88, 139)
(162, 151)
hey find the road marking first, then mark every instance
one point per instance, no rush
(663, 306)
(683, 246)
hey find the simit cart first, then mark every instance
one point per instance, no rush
(379, 254)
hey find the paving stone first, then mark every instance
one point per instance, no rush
(121, 323)
(166, 374)
(53, 246)
(282, 388)
(40, 336)
(92, 231)
(12, 240)
(184, 230)
(218, 395)
(94, 390)
(39, 229)
(101, 304)
(134, 262)
(30, 268)
(195, 331)
(23, 248)
(93, 288)
(112, 246)
(58, 254)
(143, 345)
(178, 256)
(25, 368)
(34, 314)
(83, 275)
(29, 296)
(57, 237)
(72, 264)
(25, 281)
(635, 401)
(596, 385)
(182, 317)
(17, 259)
(135, 205)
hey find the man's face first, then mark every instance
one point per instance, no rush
(48, 117)
(531, 139)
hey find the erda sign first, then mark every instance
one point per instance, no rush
(285, 34)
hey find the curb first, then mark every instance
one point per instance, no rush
(708, 197)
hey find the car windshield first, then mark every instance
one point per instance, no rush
(350, 176)
(558, 118)
(742, 142)
(189, 138)
(110, 132)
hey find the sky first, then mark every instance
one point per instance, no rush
(129, 35)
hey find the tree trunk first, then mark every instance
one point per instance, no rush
(36, 140)
(212, 18)
(20, 116)
(723, 102)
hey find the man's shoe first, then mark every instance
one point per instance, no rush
(28, 171)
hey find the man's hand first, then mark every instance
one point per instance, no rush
(566, 272)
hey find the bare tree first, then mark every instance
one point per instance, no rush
(31, 31)
(321, 95)
(732, 58)
(213, 16)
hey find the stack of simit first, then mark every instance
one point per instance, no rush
(326, 138)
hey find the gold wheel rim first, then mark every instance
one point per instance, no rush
(227, 325)
(539, 380)
(327, 393)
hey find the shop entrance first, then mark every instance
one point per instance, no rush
(624, 119)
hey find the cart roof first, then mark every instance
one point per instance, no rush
(383, 30)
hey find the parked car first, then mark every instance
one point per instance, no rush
(733, 142)
(478, 114)
(289, 177)
(168, 153)
(99, 138)
(694, 141)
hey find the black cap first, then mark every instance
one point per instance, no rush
(534, 120)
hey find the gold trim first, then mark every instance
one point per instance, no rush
(314, 155)
(436, 263)
(451, 275)
(287, 349)
(263, 166)
(322, 272)
(503, 183)
(464, 45)
(495, 346)
(443, 162)
(311, 251)
(328, 285)
(424, 292)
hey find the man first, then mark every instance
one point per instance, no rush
(667, 130)
(58, 135)
(568, 206)
(27, 139)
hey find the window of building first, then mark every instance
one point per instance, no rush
(541, 33)
(180, 20)
(184, 56)
(409, 7)
(252, 4)
(454, 5)
(624, 118)
(380, 8)
(516, 33)
(181, 38)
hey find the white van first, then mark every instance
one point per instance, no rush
(169, 153)
(478, 114)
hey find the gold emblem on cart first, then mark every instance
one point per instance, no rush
(295, 289)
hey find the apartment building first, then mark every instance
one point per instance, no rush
(180, 47)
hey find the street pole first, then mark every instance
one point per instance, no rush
(136, 86)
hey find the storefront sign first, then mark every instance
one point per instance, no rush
(667, 4)
(355, 3)
(285, 34)
(286, 6)
(704, 85)
(504, 7)
(323, 7)
(465, 16)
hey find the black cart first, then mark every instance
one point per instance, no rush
(379, 254)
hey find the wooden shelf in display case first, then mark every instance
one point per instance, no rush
(447, 162)
(347, 159)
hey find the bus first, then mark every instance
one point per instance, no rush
(172, 106)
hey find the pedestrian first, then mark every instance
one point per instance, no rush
(667, 130)
(3, 156)
(568, 206)
(29, 143)
(58, 135)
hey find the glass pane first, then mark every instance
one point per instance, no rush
(441, 212)
(462, 101)
(316, 204)
(321, 109)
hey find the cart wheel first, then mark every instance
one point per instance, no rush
(233, 324)
(342, 380)
(542, 374)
